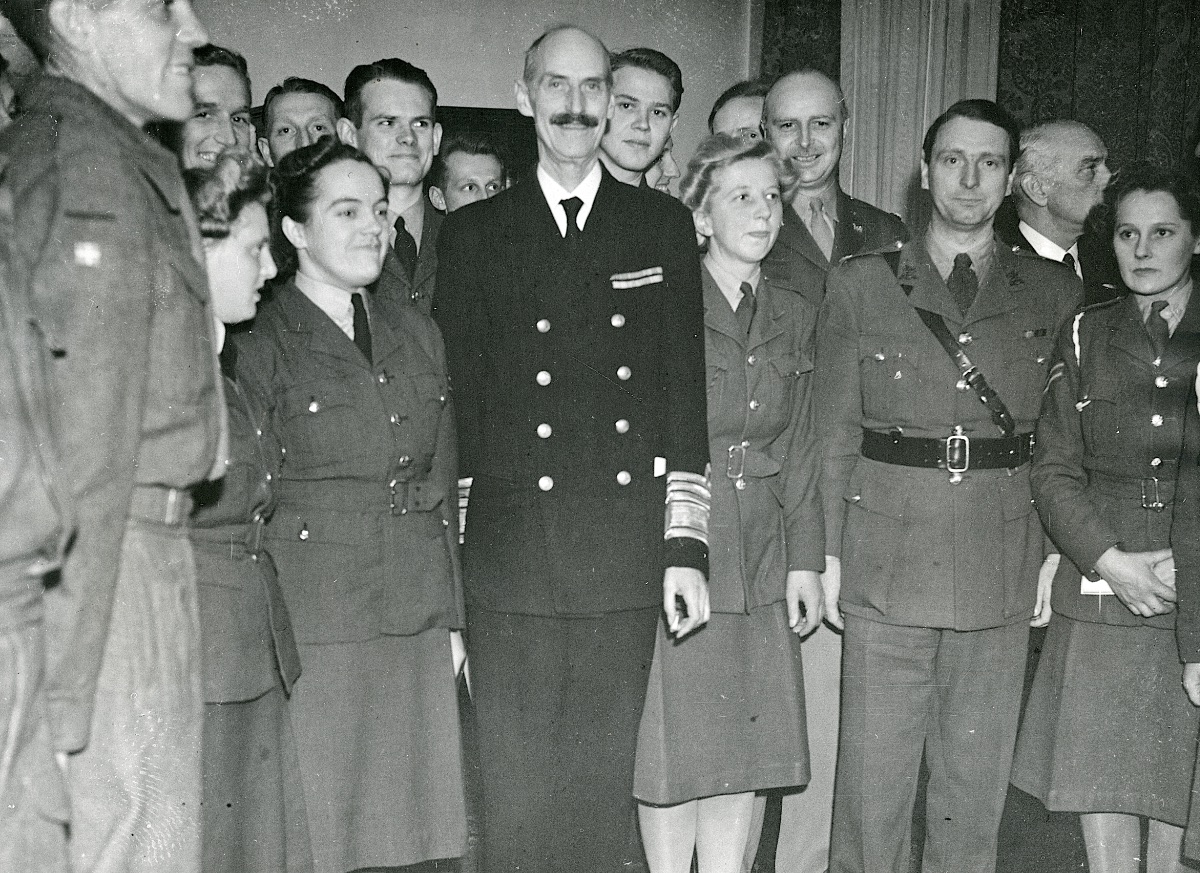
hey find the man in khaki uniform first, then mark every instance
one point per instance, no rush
(932, 537)
(119, 293)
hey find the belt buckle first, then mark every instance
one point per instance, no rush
(958, 454)
(736, 468)
(402, 507)
(1156, 503)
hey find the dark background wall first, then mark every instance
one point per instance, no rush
(801, 33)
(1130, 69)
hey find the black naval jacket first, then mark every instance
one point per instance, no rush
(1108, 447)
(578, 375)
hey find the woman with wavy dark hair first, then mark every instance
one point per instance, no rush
(724, 714)
(1108, 732)
(253, 802)
(365, 531)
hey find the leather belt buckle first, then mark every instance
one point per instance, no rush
(1150, 495)
(958, 454)
(736, 468)
(255, 536)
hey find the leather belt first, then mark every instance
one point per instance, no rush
(955, 454)
(161, 504)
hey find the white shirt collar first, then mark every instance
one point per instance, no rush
(1048, 248)
(554, 193)
(333, 301)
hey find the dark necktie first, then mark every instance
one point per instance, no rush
(1157, 327)
(963, 283)
(745, 308)
(406, 249)
(1069, 260)
(362, 327)
(572, 205)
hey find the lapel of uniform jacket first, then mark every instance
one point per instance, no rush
(919, 279)
(718, 314)
(848, 238)
(798, 242)
(385, 334)
(1184, 344)
(394, 277)
(317, 330)
(768, 318)
(996, 292)
(1129, 332)
(426, 271)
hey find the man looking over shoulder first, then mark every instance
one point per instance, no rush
(804, 118)
(391, 115)
(573, 320)
(647, 89)
(1058, 180)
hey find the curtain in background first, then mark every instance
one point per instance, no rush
(903, 62)
(801, 33)
(1130, 69)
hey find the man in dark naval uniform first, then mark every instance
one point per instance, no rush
(931, 361)
(572, 314)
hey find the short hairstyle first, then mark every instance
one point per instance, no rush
(748, 88)
(384, 68)
(721, 150)
(977, 110)
(222, 191)
(533, 54)
(653, 61)
(297, 85)
(468, 142)
(210, 55)
(1038, 154)
(294, 179)
(1151, 178)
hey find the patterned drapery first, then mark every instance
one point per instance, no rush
(1128, 68)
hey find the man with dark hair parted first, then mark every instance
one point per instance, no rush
(931, 361)
(647, 89)
(391, 115)
(573, 320)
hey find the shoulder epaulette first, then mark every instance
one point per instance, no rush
(891, 248)
(1103, 304)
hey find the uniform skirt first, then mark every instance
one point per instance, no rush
(1108, 727)
(376, 726)
(724, 710)
(254, 819)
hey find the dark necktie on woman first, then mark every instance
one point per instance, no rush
(1157, 327)
(362, 327)
(745, 308)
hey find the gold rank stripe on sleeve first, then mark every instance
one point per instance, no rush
(688, 503)
(636, 279)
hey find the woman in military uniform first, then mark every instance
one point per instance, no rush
(724, 712)
(365, 529)
(253, 802)
(1108, 731)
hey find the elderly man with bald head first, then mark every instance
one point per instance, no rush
(805, 118)
(1059, 178)
(573, 319)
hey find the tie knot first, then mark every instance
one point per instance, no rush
(747, 289)
(1069, 260)
(399, 225)
(962, 261)
(572, 205)
(1156, 309)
